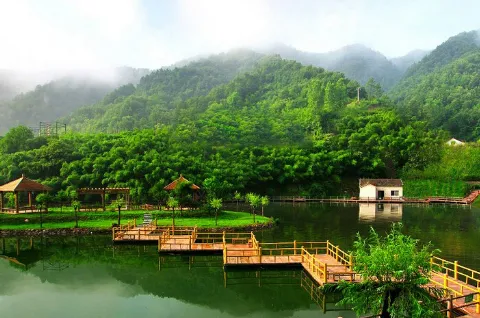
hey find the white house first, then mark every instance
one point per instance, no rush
(455, 142)
(381, 189)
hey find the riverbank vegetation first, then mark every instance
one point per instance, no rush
(55, 219)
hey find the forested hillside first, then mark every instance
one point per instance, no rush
(356, 61)
(60, 97)
(279, 127)
(444, 88)
(160, 96)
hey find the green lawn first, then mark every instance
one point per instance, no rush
(66, 219)
(434, 188)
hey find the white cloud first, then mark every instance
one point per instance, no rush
(86, 34)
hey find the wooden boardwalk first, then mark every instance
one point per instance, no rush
(322, 261)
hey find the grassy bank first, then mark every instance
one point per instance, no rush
(434, 188)
(104, 220)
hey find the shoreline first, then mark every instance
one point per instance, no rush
(92, 231)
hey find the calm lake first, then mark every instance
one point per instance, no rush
(88, 277)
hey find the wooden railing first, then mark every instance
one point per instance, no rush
(451, 307)
(457, 280)
(340, 255)
(456, 271)
(315, 266)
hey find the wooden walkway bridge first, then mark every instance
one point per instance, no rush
(323, 261)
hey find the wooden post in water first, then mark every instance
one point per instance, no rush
(139, 234)
(325, 272)
(260, 254)
(455, 270)
(450, 306)
(113, 233)
(477, 307)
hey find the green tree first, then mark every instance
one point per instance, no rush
(394, 271)
(216, 204)
(264, 201)
(254, 201)
(42, 202)
(374, 90)
(17, 139)
(76, 209)
(237, 196)
(118, 204)
(172, 203)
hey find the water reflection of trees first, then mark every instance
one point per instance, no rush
(193, 279)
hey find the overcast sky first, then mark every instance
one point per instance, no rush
(78, 34)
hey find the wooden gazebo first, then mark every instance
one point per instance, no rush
(22, 184)
(173, 185)
(104, 191)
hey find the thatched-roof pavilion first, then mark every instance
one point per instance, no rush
(22, 184)
(173, 185)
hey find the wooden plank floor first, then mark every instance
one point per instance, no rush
(459, 288)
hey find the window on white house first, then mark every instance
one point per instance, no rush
(394, 193)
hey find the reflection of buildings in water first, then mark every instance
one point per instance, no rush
(369, 212)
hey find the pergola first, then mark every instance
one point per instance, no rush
(173, 185)
(22, 184)
(103, 191)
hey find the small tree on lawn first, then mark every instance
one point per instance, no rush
(395, 272)
(76, 208)
(172, 203)
(237, 196)
(264, 201)
(42, 202)
(118, 204)
(254, 201)
(215, 204)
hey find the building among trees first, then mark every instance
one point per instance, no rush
(381, 189)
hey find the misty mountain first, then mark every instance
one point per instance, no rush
(404, 62)
(161, 92)
(60, 97)
(356, 61)
(444, 87)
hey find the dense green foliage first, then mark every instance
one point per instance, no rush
(434, 188)
(454, 163)
(394, 270)
(280, 127)
(444, 88)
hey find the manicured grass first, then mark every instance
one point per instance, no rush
(66, 219)
(433, 188)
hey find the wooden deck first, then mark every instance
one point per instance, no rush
(322, 261)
